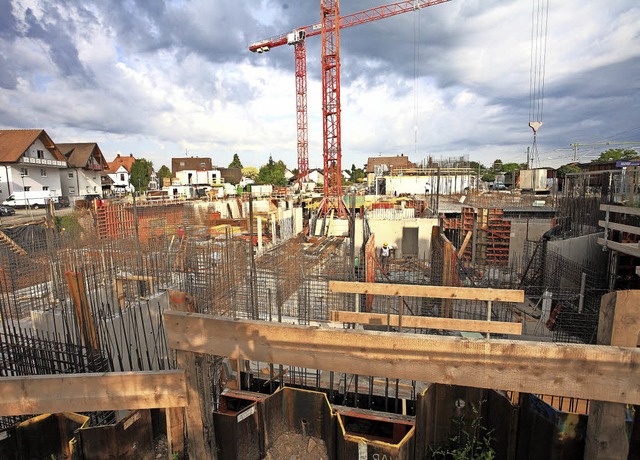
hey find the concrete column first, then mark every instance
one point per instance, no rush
(259, 234)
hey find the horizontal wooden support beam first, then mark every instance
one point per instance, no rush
(625, 248)
(584, 371)
(421, 290)
(40, 394)
(620, 209)
(426, 322)
(620, 227)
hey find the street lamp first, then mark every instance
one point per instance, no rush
(22, 174)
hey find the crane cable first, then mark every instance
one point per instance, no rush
(539, 31)
(416, 62)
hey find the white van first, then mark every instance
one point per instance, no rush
(34, 200)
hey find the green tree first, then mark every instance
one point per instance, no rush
(272, 173)
(163, 173)
(141, 173)
(250, 172)
(615, 155)
(497, 166)
(510, 167)
(488, 177)
(355, 174)
(236, 163)
(567, 169)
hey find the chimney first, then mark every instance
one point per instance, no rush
(131, 155)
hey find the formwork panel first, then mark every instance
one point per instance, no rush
(297, 412)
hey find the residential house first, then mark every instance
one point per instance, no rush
(120, 173)
(29, 161)
(316, 176)
(190, 164)
(231, 175)
(86, 165)
(199, 177)
(380, 165)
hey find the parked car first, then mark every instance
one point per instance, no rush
(7, 210)
(498, 186)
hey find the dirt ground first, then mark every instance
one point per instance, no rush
(293, 446)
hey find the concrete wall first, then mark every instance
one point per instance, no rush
(415, 185)
(523, 230)
(390, 231)
(581, 248)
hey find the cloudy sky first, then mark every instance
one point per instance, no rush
(168, 78)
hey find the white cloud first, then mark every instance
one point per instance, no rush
(186, 81)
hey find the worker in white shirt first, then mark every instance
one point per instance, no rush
(384, 257)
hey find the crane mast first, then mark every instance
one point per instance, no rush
(329, 28)
(332, 148)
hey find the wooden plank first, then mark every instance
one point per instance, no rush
(619, 324)
(620, 209)
(583, 371)
(427, 322)
(40, 394)
(620, 227)
(199, 426)
(175, 430)
(626, 248)
(437, 292)
(465, 243)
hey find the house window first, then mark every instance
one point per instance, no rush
(72, 190)
(40, 154)
(27, 188)
(24, 172)
(70, 175)
(202, 164)
(43, 172)
(182, 163)
(122, 178)
(45, 188)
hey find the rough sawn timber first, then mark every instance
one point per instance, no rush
(38, 394)
(437, 292)
(426, 322)
(586, 371)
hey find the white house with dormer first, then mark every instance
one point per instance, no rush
(120, 173)
(86, 165)
(29, 162)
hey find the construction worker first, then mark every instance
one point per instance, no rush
(384, 257)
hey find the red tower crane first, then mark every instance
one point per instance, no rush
(329, 28)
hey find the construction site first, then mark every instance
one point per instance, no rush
(263, 326)
(458, 323)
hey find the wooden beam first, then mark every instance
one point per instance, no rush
(619, 324)
(421, 290)
(199, 437)
(39, 394)
(620, 209)
(583, 371)
(465, 243)
(626, 248)
(427, 322)
(620, 227)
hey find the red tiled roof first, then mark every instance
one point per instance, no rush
(118, 161)
(14, 142)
